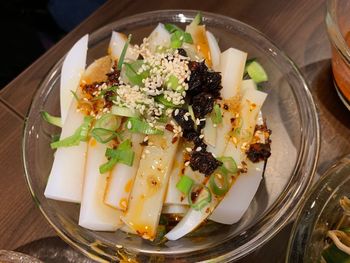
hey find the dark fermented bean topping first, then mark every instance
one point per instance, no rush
(259, 152)
(204, 162)
(203, 80)
(202, 104)
(183, 118)
(182, 52)
(113, 76)
(91, 88)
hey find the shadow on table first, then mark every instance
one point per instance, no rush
(334, 116)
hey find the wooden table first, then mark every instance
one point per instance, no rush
(296, 26)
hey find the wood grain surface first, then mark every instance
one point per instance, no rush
(296, 26)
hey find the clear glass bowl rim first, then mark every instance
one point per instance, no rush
(333, 30)
(310, 155)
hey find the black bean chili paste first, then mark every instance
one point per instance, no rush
(203, 89)
(260, 151)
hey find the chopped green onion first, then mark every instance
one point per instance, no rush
(178, 36)
(136, 125)
(122, 55)
(333, 254)
(131, 72)
(55, 137)
(163, 118)
(229, 165)
(51, 119)
(173, 83)
(105, 128)
(75, 95)
(103, 135)
(185, 184)
(171, 28)
(216, 115)
(187, 38)
(256, 72)
(190, 111)
(175, 39)
(123, 111)
(161, 99)
(108, 121)
(123, 154)
(199, 204)
(197, 19)
(81, 134)
(219, 182)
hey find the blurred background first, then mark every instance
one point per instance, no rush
(36, 25)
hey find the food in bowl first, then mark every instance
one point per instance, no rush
(338, 247)
(169, 127)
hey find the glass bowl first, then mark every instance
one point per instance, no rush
(290, 113)
(338, 27)
(320, 212)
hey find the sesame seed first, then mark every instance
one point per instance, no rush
(176, 112)
(201, 136)
(198, 149)
(145, 139)
(185, 117)
(188, 149)
(129, 125)
(187, 163)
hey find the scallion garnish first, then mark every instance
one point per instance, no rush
(108, 121)
(219, 182)
(123, 154)
(256, 71)
(81, 134)
(216, 114)
(131, 72)
(136, 125)
(123, 111)
(105, 128)
(55, 138)
(199, 204)
(122, 55)
(178, 36)
(228, 164)
(197, 19)
(173, 83)
(185, 184)
(51, 119)
(103, 135)
(161, 99)
(75, 95)
(190, 111)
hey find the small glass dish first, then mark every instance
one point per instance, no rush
(290, 113)
(338, 27)
(320, 212)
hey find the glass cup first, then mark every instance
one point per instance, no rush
(338, 26)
